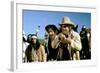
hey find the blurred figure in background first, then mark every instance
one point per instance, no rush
(89, 41)
(25, 45)
(85, 43)
(75, 28)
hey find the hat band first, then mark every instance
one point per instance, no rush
(34, 37)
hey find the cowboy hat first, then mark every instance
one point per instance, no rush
(66, 21)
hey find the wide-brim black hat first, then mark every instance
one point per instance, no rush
(51, 26)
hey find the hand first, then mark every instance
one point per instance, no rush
(64, 39)
(68, 40)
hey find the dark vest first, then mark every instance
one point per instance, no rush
(52, 51)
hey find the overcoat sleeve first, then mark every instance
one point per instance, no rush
(76, 42)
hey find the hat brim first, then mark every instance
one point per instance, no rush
(52, 27)
(68, 24)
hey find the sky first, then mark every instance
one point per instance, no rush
(33, 18)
